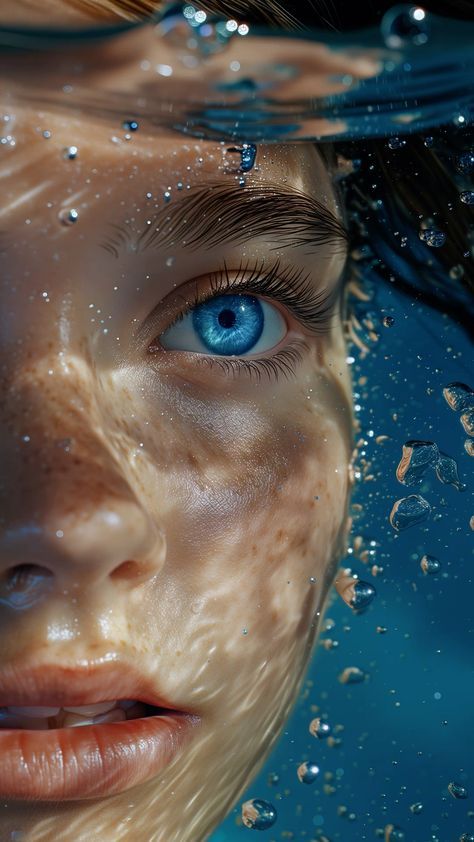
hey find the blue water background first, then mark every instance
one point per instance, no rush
(408, 730)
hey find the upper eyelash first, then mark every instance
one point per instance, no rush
(291, 287)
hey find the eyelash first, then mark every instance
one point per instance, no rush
(291, 287)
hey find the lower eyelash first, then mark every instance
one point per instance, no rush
(283, 363)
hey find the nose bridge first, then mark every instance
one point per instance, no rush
(66, 502)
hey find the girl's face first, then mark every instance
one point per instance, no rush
(174, 496)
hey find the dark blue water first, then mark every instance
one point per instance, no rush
(407, 731)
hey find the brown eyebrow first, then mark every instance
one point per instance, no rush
(208, 216)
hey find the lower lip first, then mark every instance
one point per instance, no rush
(89, 761)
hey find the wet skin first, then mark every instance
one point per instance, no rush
(181, 526)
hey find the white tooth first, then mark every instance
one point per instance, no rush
(126, 704)
(114, 716)
(33, 711)
(73, 720)
(93, 710)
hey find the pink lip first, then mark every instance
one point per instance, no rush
(89, 761)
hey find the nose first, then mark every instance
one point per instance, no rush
(70, 517)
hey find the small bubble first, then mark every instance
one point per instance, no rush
(68, 216)
(258, 814)
(319, 728)
(430, 564)
(432, 237)
(169, 261)
(273, 779)
(396, 143)
(429, 142)
(363, 595)
(242, 182)
(456, 272)
(130, 125)
(70, 152)
(457, 790)
(416, 808)
(469, 447)
(307, 772)
(465, 163)
(409, 511)
(467, 196)
(167, 195)
(388, 321)
(352, 675)
(405, 25)
(393, 833)
(46, 134)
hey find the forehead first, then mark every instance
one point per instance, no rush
(58, 12)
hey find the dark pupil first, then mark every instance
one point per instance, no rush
(226, 318)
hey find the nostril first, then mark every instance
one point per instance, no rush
(24, 584)
(134, 572)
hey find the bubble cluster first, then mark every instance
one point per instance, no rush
(409, 511)
(307, 772)
(258, 814)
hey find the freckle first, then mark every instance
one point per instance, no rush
(279, 535)
(254, 549)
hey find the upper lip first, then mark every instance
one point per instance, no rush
(71, 685)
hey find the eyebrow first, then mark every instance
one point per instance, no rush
(214, 214)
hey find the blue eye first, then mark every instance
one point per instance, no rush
(227, 325)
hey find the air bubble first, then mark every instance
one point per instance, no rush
(363, 595)
(467, 420)
(456, 272)
(446, 467)
(68, 216)
(417, 457)
(465, 163)
(416, 808)
(388, 321)
(352, 675)
(405, 25)
(466, 837)
(469, 447)
(458, 396)
(409, 511)
(258, 814)
(430, 564)
(432, 237)
(130, 125)
(396, 143)
(393, 833)
(319, 728)
(467, 196)
(457, 790)
(307, 772)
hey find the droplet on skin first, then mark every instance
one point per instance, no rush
(352, 675)
(130, 125)
(307, 772)
(430, 564)
(258, 814)
(70, 152)
(409, 511)
(447, 469)
(417, 457)
(319, 728)
(458, 396)
(68, 216)
(457, 790)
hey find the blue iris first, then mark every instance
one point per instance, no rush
(229, 324)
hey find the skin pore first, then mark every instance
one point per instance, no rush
(179, 516)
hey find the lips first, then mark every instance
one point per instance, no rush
(92, 760)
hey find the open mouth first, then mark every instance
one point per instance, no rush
(49, 718)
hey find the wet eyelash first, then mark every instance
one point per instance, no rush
(284, 362)
(291, 287)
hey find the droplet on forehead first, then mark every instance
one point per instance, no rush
(70, 152)
(68, 216)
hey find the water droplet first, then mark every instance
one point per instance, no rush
(68, 216)
(273, 779)
(405, 25)
(456, 272)
(70, 152)
(396, 143)
(458, 396)
(467, 420)
(393, 833)
(242, 182)
(169, 261)
(429, 142)
(467, 196)
(466, 837)
(416, 808)
(447, 469)
(388, 321)
(319, 728)
(167, 195)
(307, 772)
(130, 125)
(409, 511)
(430, 564)
(457, 790)
(465, 163)
(351, 675)
(417, 457)
(258, 814)
(469, 447)
(432, 237)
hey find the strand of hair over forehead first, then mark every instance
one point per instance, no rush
(270, 11)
